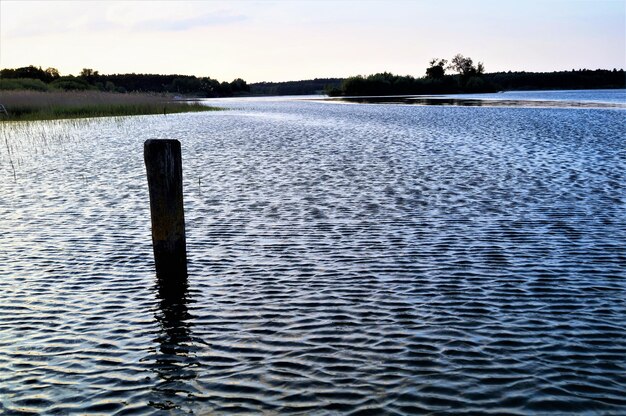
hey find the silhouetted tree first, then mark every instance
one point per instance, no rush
(89, 75)
(480, 68)
(53, 73)
(239, 85)
(437, 68)
(30, 71)
(87, 72)
(466, 68)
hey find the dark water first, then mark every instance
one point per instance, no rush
(344, 259)
(473, 102)
(545, 99)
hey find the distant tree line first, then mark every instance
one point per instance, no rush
(307, 87)
(36, 78)
(562, 80)
(466, 77)
(471, 78)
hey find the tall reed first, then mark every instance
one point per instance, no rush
(36, 105)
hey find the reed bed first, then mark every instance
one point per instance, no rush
(37, 105)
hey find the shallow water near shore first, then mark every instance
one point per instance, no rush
(344, 259)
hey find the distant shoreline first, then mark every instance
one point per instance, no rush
(389, 84)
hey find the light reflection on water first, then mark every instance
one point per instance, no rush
(399, 259)
(558, 99)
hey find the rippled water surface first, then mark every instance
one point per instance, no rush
(344, 259)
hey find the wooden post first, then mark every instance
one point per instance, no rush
(165, 183)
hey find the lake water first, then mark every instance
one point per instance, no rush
(344, 259)
(516, 99)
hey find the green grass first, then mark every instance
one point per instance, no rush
(35, 105)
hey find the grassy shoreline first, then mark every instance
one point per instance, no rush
(36, 105)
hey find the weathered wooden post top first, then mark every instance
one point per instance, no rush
(165, 182)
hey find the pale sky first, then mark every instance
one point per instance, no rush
(293, 40)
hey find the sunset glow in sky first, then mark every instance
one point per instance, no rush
(292, 40)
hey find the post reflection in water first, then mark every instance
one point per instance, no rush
(176, 357)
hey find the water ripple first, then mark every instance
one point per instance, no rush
(344, 259)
